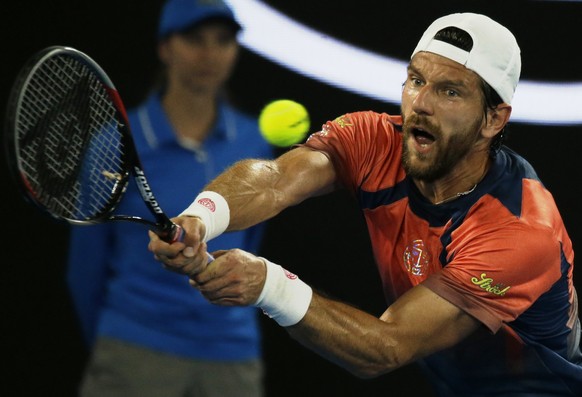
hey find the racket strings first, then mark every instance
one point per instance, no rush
(69, 141)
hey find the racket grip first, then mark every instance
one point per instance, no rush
(177, 234)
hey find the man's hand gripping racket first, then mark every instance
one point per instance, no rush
(69, 144)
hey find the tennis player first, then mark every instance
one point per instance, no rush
(473, 255)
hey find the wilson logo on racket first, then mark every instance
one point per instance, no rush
(145, 190)
(208, 204)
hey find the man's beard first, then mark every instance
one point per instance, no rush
(446, 154)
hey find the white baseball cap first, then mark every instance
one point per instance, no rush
(495, 55)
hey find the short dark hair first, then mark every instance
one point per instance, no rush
(461, 39)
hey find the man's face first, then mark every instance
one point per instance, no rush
(201, 59)
(443, 114)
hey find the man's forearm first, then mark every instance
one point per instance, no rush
(250, 188)
(348, 337)
(257, 190)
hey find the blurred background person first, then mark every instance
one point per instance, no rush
(143, 340)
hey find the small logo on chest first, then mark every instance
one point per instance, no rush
(416, 258)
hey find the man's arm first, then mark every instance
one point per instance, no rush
(87, 275)
(257, 190)
(418, 324)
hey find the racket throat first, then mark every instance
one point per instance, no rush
(146, 191)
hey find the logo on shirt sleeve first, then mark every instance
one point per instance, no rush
(489, 285)
(343, 121)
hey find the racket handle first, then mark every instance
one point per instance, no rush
(170, 233)
(176, 233)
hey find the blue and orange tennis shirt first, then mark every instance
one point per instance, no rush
(500, 253)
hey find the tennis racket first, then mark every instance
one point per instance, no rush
(69, 144)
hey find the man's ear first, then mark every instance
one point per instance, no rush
(496, 119)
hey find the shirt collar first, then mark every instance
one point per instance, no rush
(163, 132)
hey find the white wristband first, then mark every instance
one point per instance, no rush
(213, 210)
(284, 298)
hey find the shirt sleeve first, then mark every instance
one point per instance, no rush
(499, 266)
(358, 143)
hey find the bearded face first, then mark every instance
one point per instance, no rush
(443, 117)
(429, 152)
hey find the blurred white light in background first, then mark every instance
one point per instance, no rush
(297, 47)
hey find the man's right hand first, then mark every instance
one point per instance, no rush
(189, 256)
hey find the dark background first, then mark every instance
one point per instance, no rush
(323, 240)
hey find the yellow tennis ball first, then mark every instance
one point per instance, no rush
(284, 122)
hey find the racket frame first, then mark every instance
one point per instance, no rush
(132, 166)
